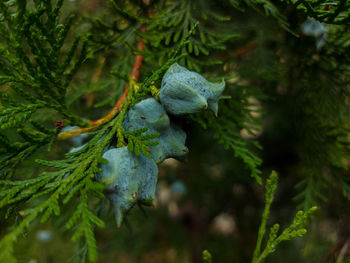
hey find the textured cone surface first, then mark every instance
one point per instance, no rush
(128, 179)
(184, 91)
(150, 114)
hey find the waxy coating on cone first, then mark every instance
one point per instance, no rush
(184, 91)
(128, 179)
(313, 28)
(150, 114)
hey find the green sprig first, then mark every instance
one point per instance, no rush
(296, 229)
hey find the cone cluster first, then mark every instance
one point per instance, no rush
(131, 179)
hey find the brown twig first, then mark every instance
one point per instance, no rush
(343, 251)
(246, 48)
(135, 73)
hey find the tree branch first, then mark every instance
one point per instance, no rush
(135, 73)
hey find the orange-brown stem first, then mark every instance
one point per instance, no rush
(135, 73)
(246, 48)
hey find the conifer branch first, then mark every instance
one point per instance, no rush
(296, 229)
(73, 176)
(38, 66)
(133, 75)
(227, 126)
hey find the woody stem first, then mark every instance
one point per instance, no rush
(134, 75)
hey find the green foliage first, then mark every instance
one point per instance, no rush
(321, 122)
(168, 29)
(334, 12)
(139, 143)
(294, 230)
(207, 258)
(280, 87)
(237, 112)
(35, 71)
(85, 229)
(172, 24)
(268, 7)
(115, 38)
(73, 175)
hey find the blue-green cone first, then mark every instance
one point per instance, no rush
(128, 179)
(184, 91)
(173, 144)
(147, 113)
(150, 114)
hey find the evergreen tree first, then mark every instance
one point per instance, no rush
(267, 80)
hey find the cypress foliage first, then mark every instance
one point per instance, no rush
(281, 83)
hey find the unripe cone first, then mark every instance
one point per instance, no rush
(185, 92)
(128, 179)
(150, 114)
